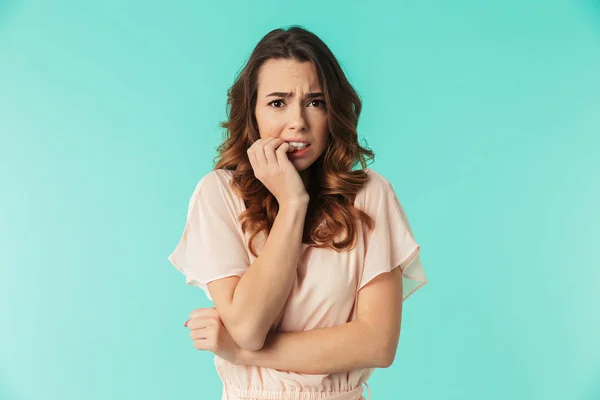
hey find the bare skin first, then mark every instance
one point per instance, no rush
(297, 116)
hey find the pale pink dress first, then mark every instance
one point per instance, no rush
(213, 246)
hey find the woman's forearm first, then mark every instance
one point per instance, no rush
(320, 351)
(264, 288)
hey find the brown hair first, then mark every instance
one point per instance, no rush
(333, 182)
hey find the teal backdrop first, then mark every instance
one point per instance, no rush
(485, 117)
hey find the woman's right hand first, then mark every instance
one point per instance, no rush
(269, 160)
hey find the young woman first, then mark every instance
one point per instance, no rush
(307, 260)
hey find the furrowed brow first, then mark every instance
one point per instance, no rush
(311, 95)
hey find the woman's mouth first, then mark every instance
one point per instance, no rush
(298, 150)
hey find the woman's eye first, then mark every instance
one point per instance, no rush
(276, 103)
(322, 103)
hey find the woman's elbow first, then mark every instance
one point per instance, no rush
(386, 359)
(251, 343)
(386, 355)
(249, 339)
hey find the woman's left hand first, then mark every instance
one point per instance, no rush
(208, 333)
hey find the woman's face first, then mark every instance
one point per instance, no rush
(298, 116)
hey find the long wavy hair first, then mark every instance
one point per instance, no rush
(333, 182)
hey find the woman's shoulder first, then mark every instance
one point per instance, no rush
(214, 186)
(376, 191)
(215, 179)
(375, 179)
(218, 175)
(375, 185)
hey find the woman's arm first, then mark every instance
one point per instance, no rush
(370, 341)
(320, 351)
(248, 306)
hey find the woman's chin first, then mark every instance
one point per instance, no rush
(301, 164)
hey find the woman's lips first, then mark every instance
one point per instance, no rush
(298, 153)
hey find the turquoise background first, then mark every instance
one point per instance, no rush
(485, 116)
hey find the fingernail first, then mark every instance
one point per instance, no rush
(186, 322)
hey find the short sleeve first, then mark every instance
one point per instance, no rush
(212, 244)
(391, 243)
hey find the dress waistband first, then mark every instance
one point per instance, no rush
(253, 394)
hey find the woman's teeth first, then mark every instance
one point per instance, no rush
(298, 145)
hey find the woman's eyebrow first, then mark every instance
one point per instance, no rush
(286, 95)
